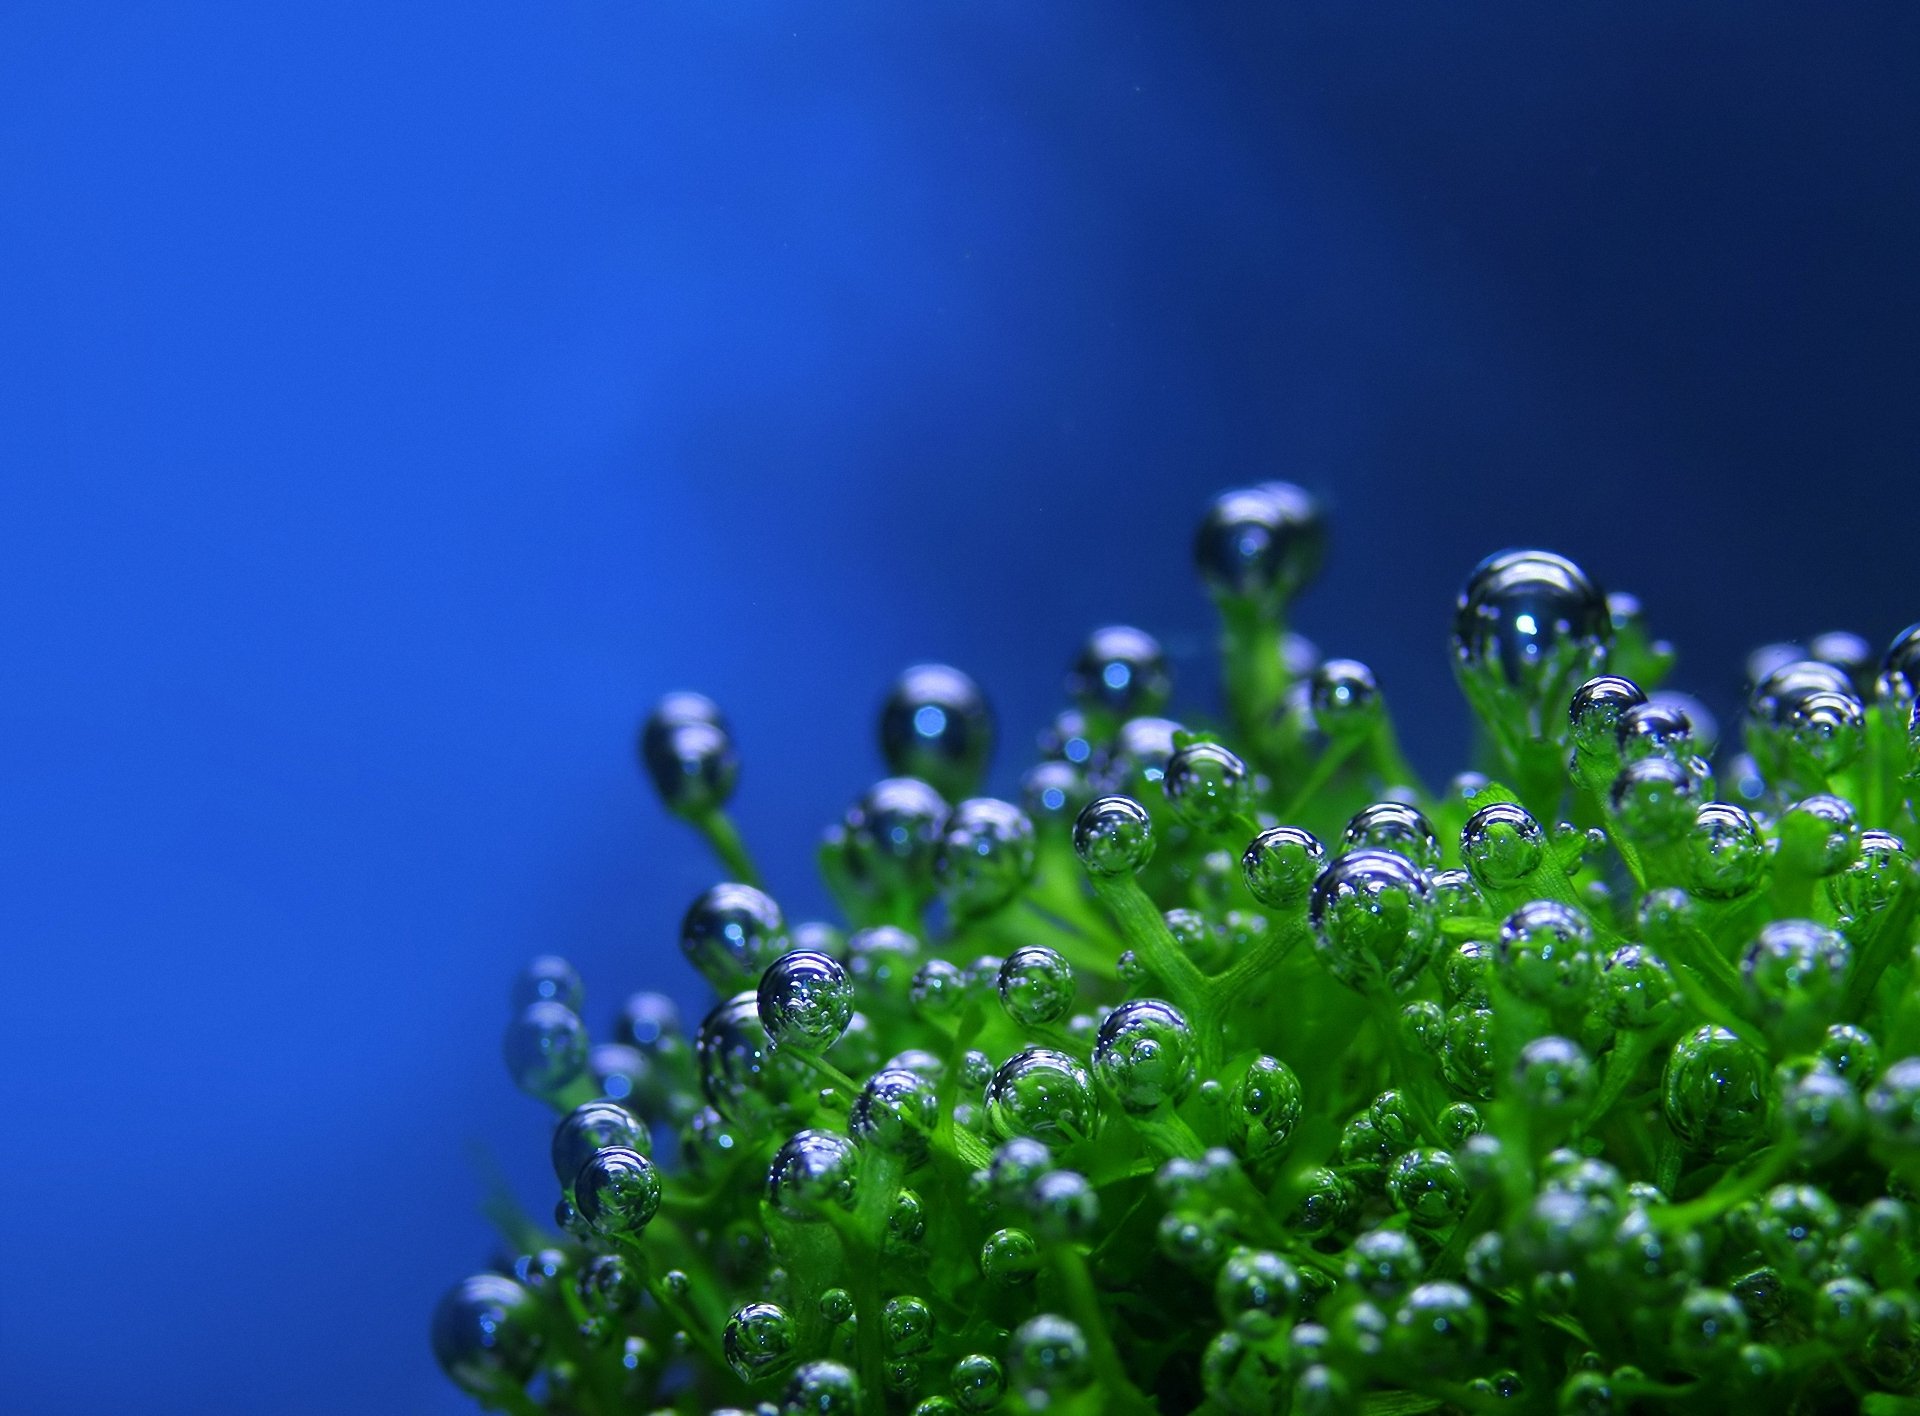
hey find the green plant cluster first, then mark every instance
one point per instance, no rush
(1234, 1071)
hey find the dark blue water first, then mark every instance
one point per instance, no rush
(394, 399)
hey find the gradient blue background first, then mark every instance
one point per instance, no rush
(395, 398)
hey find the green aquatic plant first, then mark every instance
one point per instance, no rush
(1232, 1070)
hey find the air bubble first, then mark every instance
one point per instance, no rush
(759, 1341)
(1261, 543)
(1502, 845)
(487, 1334)
(1374, 924)
(547, 979)
(1207, 786)
(545, 1048)
(739, 1073)
(1264, 1108)
(593, 1127)
(1280, 866)
(813, 1173)
(1345, 699)
(1144, 1055)
(1120, 671)
(1036, 985)
(1595, 713)
(821, 1388)
(618, 1191)
(896, 1112)
(1715, 1091)
(686, 747)
(893, 835)
(1726, 854)
(731, 933)
(1393, 826)
(805, 1000)
(1530, 621)
(1545, 953)
(1043, 1094)
(986, 856)
(1113, 837)
(936, 726)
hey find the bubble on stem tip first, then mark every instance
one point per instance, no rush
(883, 958)
(1009, 1258)
(1530, 621)
(1426, 1186)
(1036, 985)
(617, 1191)
(896, 1112)
(1066, 738)
(978, 1382)
(1819, 835)
(1637, 988)
(1113, 836)
(1893, 1106)
(1804, 720)
(1042, 1094)
(1264, 1108)
(759, 1341)
(1715, 1091)
(1870, 883)
(1144, 1055)
(1048, 1354)
(805, 999)
(1726, 854)
(1795, 968)
(1819, 1109)
(1654, 799)
(1135, 762)
(1903, 657)
(731, 932)
(1345, 698)
(1456, 896)
(1207, 785)
(545, 1048)
(1594, 714)
(487, 1334)
(936, 726)
(686, 747)
(821, 1388)
(893, 836)
(1374, 922)
(547, 978)
(1553, 1076)
(814, 1173)
(1257, 1292)
(740, 1075)
(650, 1022)
(592, 1127)
(1280, 865)
(1393, 826)
(1261, 543)
(1849, 653)
(625, 1075)
(1657, 728)
(986, 855)
(1705, 725)
(1120, 671)
(1438, 1327)
(1054, 793)
(1502, 845)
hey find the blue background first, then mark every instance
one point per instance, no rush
(395, 398)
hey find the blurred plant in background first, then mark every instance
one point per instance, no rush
(1234, 1070)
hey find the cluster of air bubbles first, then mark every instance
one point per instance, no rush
(1225, 1066)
